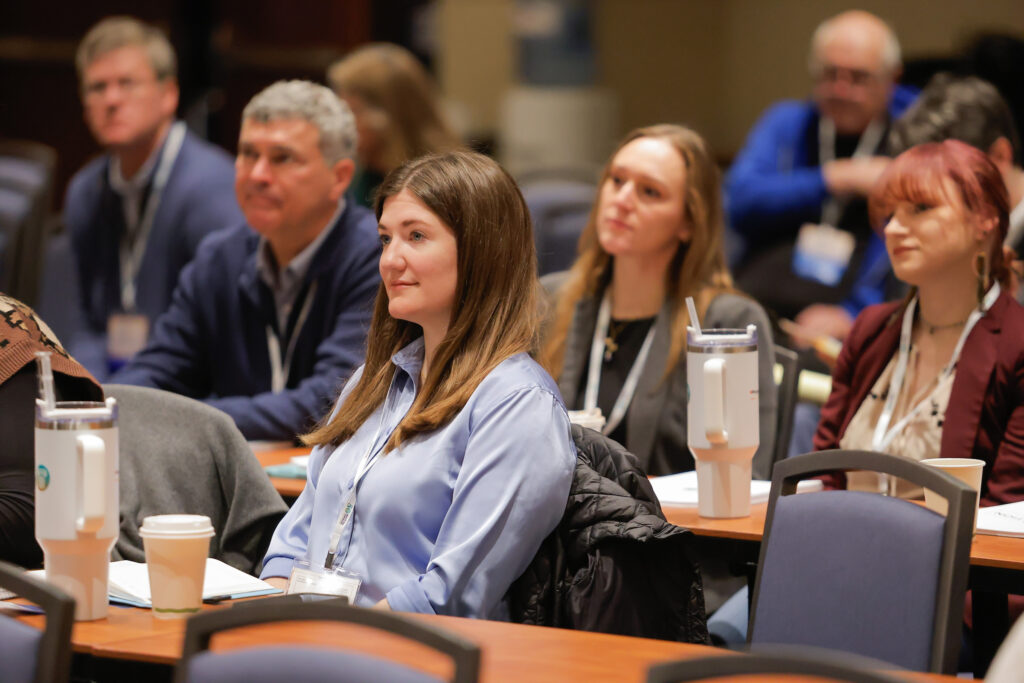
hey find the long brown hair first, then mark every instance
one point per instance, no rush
(406, 114)
(698, 268)
(495, 314)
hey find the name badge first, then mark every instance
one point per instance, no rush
(127, 334)
(307, 578)
(822, 253)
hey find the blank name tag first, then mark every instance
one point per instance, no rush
(309, 579)
(822, 253)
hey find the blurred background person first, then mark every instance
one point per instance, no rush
(398, 113)
(654, 237)
(796, 191)
(136, 214)
(272, 314)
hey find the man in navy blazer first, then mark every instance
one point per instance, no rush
(137, 214)
(272, 314)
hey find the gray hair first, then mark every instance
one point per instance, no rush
(113, 33)
(313, 103)
(892, 57)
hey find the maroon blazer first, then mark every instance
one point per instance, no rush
(985, 415)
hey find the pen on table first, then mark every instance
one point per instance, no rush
(214, 599)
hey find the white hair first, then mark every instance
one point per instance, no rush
(892, 57)
(313, 103)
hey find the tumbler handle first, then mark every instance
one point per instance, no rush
(92, 460)
(714, 402)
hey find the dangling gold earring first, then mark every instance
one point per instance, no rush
(981, 272)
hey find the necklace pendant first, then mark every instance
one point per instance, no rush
(610, 347)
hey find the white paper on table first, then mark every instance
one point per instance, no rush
(1002, 520)
(681, 489)
(129, 582)
(300, 460)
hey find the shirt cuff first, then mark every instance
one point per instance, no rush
(278, 566)
(409, 597)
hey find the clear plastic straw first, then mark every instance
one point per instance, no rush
(46, 379)
(694, 322)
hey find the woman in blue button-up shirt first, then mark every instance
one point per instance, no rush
(452, 443)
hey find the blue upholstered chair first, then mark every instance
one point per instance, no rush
(279, 663)
(861, 572)
(829, 666)
(27, 169)
(26, 653)
(559, 208)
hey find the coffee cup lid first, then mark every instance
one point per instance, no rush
(176, 525)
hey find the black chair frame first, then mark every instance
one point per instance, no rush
(200, 628)
(53, 659)
(958, 531)
(790, 362)
(838, 666)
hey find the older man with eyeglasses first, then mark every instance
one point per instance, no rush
(796, 190)
(137, 213)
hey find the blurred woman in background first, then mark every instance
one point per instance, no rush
(654, 237)
(398, 115)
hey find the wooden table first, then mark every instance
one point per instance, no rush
(997, 569)
(511, 652)
(986, 551)
(288, 488)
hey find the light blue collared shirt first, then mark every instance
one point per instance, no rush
(445, 523)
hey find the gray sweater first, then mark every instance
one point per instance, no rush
(181, 456)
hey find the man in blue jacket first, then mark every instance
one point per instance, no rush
(272, 315)
(796, 190)
(137, 214)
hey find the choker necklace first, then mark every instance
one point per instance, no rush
(932, 329)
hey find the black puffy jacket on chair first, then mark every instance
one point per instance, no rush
(613, 565)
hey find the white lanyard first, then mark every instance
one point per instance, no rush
(883, 433)
(279, 370)
(604, 317)
(866, 146)
(132, 250)
(368, 460)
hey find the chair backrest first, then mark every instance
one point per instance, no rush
(29, 167)
(278, 663)
(179, 455)
(790, 362)
(861, 572)
(16, 212)
(25, 653)
(559, 210)
(832, 666)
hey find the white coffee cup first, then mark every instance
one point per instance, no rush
(967, 470)
(722, 417)
(176, 550)
(76, 498)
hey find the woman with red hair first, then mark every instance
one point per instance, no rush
(941, 373)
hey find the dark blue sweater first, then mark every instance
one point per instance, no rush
(211, 343)
(199, 199)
